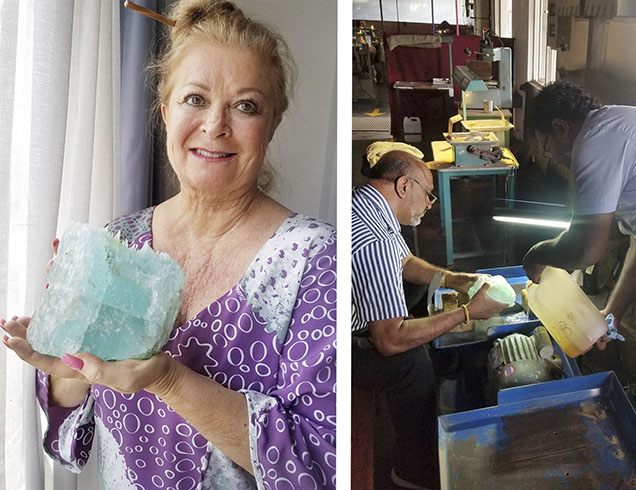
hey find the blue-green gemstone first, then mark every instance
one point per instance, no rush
(107, 299)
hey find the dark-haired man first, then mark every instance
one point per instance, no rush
(388, 350)
(599, 143)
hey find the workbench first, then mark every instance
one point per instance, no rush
(444, 157)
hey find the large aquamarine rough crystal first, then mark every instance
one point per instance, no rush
(498, 289)
(106, 299)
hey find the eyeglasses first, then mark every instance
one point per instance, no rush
(431, 197)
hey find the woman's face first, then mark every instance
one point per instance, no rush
(220, 117)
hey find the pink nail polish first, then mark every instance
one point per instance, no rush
(72, 362)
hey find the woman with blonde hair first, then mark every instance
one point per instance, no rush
(243, 394)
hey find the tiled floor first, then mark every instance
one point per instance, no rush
(472, 199)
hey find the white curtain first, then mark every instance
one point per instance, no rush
(59, 162)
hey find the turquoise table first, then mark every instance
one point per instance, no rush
(443, 154)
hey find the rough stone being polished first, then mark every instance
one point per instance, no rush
(498, 289)
(105, 298)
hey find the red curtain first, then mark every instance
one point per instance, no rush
(423, 64)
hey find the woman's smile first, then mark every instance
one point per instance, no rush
(213, 156)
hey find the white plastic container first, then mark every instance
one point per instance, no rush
(412, 125)
(565, 310)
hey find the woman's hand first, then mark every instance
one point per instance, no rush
(67, 387)
(17, 342)
(482, 306)
(127, 376)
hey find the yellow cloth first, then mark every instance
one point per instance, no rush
(379, 148)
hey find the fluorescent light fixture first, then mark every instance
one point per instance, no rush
(534, 221)
(532, 213)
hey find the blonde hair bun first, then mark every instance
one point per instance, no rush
(187, 14)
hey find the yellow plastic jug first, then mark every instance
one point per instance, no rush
(565, 310)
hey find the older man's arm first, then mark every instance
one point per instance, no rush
(583, 244)
(395, 335)
(419, 271)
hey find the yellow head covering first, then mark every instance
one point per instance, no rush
(379, 148)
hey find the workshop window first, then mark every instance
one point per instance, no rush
(543, 58)
(416, 11)
(503, 18)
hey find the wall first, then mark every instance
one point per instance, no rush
(619, 58)
(610, 70)
(304, 148)
(575, 58)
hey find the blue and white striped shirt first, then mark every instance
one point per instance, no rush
(377, 250)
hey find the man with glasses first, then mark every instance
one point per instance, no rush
(599, 144)
(388, 349)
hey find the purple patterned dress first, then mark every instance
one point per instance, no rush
(272, 337)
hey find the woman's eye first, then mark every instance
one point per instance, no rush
(247, 107)
(194, 100)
